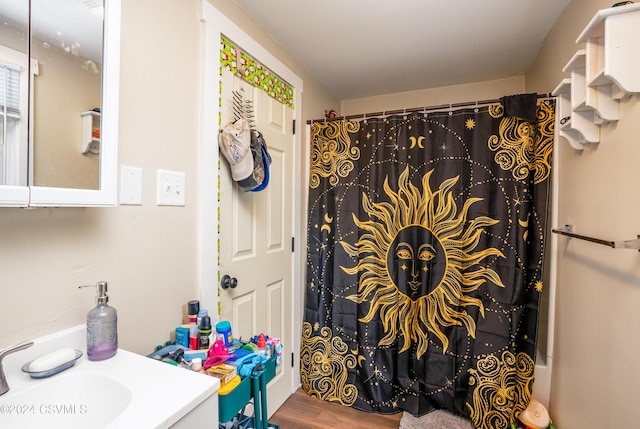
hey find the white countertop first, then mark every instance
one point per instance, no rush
(161, 394)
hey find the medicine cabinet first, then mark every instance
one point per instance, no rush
(65, 56)
(601, 74)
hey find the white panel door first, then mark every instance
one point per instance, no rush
(256, 230)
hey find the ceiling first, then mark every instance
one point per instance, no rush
(361, 48)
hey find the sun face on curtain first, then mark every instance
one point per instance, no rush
(418, 262)
(412, 261)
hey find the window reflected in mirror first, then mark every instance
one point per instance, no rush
(14, 93)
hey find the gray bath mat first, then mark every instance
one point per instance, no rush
(438, 419)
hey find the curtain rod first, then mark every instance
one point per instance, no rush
(415, 109)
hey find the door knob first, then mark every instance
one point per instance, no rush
(228, 282)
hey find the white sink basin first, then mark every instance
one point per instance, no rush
(80, 399)
(125, 391)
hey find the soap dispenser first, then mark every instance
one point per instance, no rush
(102, 326)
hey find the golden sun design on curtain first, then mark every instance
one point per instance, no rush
(503, 389)
(332, 156)
(417, 262)
(519, 147)
(325, 360)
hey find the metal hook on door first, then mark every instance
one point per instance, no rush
(228, 282)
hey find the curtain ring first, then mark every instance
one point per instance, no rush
(450, 107)
(476, 109)
(364, 118)
(424, 111)
(404, 113)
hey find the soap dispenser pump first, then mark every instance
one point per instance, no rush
(102, 326)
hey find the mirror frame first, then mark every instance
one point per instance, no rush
(106, 196)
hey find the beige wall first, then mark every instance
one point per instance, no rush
(595, 368)
(148, 254)
(434, 96)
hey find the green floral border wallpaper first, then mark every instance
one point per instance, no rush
(244, 66)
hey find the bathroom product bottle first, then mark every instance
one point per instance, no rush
(223, 332)
(204, 331)
(203, 312)
(193, 336)
(102, 326)
(193, 307)
(262, 345)
(196, 364)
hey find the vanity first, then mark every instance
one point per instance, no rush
(125, 391)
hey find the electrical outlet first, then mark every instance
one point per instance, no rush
(171, 188)
(131, 186)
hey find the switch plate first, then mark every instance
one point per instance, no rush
(131, 186)
(171, 188)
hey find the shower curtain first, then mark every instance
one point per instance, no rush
(425, 255)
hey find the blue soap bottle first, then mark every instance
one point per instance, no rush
(102, 326)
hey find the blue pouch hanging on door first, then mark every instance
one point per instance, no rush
(266, 161)
(259, 177)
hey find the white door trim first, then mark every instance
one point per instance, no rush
(214, 25)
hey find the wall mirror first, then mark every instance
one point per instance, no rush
(59, 85)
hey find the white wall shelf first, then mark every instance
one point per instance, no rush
(576, 67)
(586, 97)
(602, 94)
(612, 39)
(578, 127)
(602, 74)
(90, 137)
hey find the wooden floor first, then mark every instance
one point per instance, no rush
(302, 411)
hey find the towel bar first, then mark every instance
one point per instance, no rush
(626, 244)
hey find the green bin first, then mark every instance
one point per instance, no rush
(230, 405)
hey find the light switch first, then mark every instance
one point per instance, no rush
(171, 188)
(131, 186)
